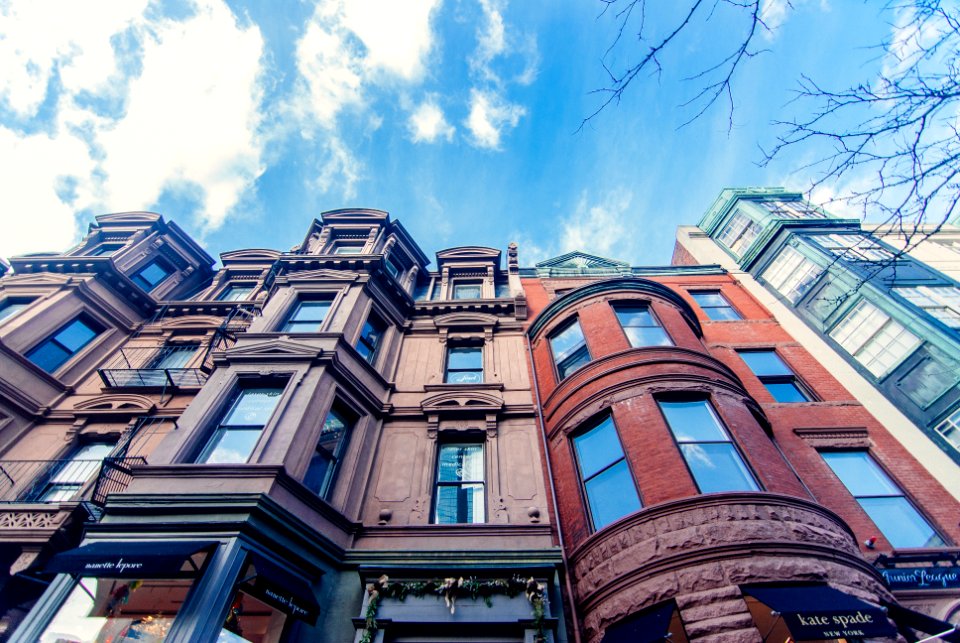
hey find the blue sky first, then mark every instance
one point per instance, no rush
(243, 120)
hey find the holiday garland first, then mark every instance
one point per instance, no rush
(450, 589)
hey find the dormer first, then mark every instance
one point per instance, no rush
(469, 272)
(244, 276)
(158, 258)
(354, 237)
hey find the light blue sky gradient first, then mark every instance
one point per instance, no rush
(226, 119)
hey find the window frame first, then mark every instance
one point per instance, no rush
(224, 294)
(883, 475)
(466, 283)
(636, 307)
(721, 425)
(559, 366)
(161, 262)
(778, 378)
(217, 426)
(298, 303)
(12, 301)
(437, 483)
(458, 346)
(100, 249)
(745, 236)
(334, 459)
(372, 348)
(83, 318)
(873, 338)
(694, 294)
(580, 433)
(943, 307)
(47, 485)
(779, 274)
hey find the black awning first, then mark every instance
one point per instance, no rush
(814, 612)
(650, 625)
(130, 559)
(923, 623)
(285, 591)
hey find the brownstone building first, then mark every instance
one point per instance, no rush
(344, 443)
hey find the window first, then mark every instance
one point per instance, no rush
(239, 430)
(12, 306)
(715, 306)
(307, 316)
(641, 327)
(943, 302)
(104, 249)
(882, 499)
(173, 356)
(370, 337)
(467, 290)
(739, 232)
(607, 482)
(569, 348)
(873, 339)
(853, 247)
(775, 375)
(348, 248)
(464, 365)
(711, 456)
(791, 274)
(53, 352)
(393, 267)
(949, 429)
(930, 377)
(69, 476)
(460, 481)
(234, 292)
(333, 439)
(150, 276)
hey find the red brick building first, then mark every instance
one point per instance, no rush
(711, 477)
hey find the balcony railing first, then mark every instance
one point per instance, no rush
(68, 480)
(153, 377)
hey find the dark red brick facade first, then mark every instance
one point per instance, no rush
(698, 549)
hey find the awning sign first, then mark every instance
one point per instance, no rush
(130, 559)
(814, 612)
(285, 591)
(921, 577)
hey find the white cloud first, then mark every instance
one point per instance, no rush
(491, 40)
(38, 38)
(489, 115)
(340, 168)
(603, 228)
(182, 113)
(192, 115)
(428, 124)
(397, 35)
(774, 14)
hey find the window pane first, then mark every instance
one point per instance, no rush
(640, 336)
(347, 248)
(566, 342)
(254, 407)
(722, 314)
(48, 356)
(597, 448)
(785, 392)
(466, 291)
(765, 363)
(461, 462)
(9, 308)
(231, 446)
(860, 474)
(900, 522)
(465, 358)
(320, 464)
(693, 421)
(460, 504)
(717, 467)
(83, 464)
(574, 361)
(708, 299)
(311, 311)
(236, 293)
(612, 495)
(174, 356)
(639, 316)
(370, 337)
(152, 274)
(75, 335)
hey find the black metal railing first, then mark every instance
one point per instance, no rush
(67, 480)
(153, 377)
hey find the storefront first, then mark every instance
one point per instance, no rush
(169, 590)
